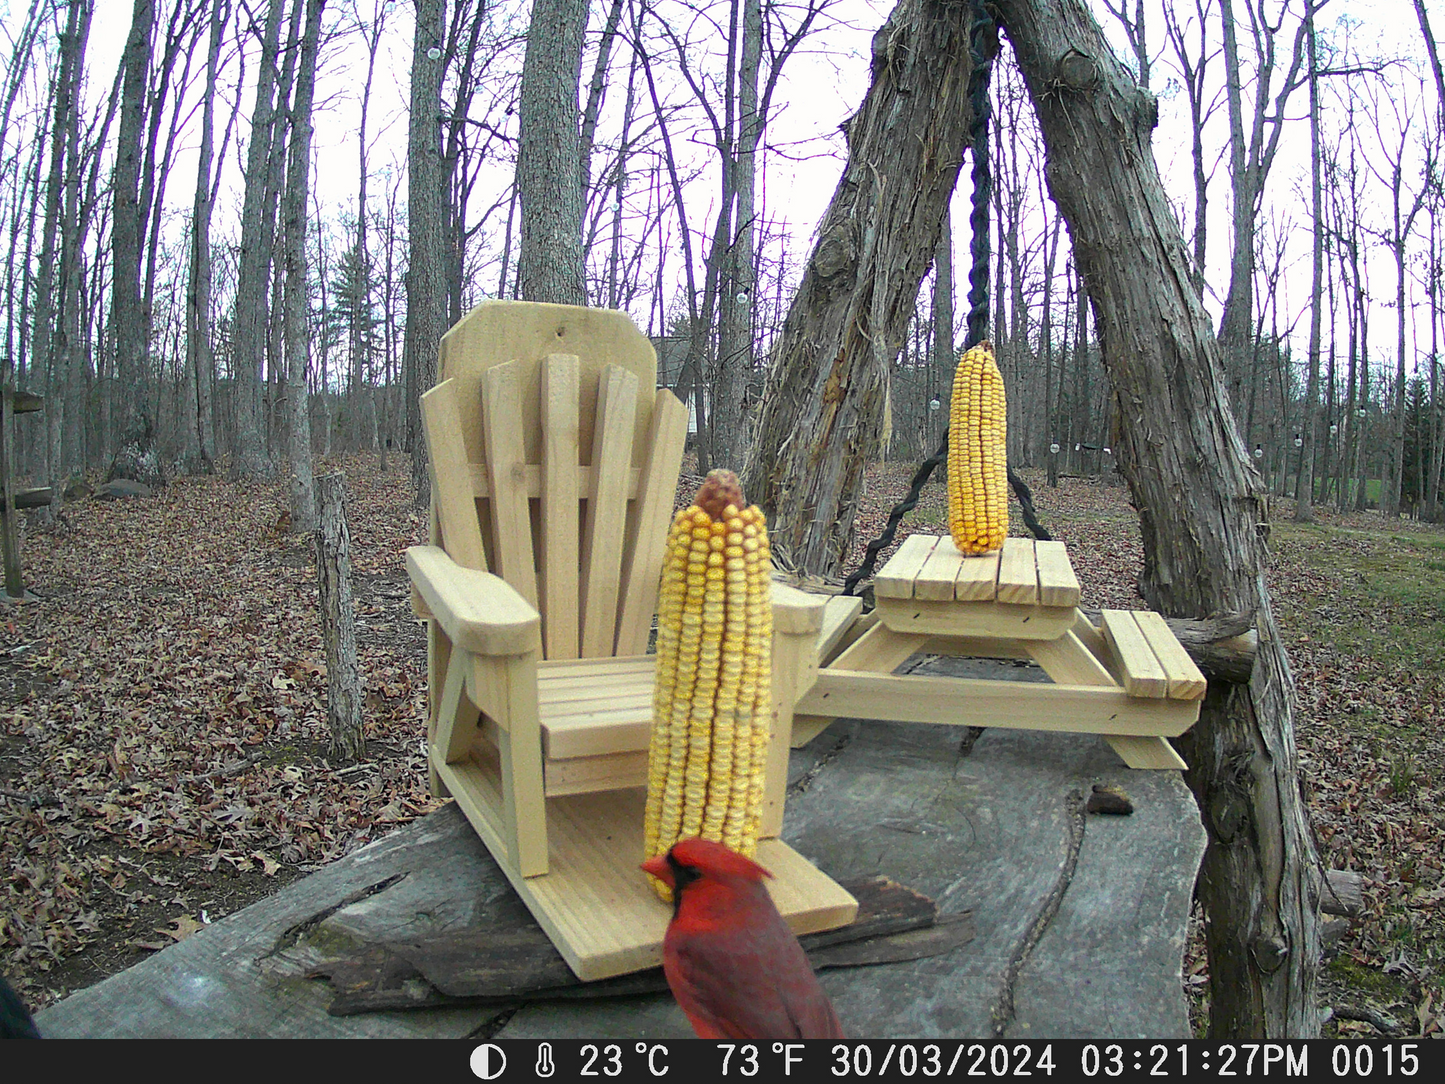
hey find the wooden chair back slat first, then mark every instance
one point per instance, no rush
(648, 520)
(511, 513)
(606, 518)
(554, 437)
(451, 487)
(560, 497)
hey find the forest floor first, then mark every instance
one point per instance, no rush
(163, 737)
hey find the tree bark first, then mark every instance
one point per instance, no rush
(1201, 515)
(549, 177)
(127, 312)
(822, 412)
(248, 329)
(199, 360)
(1304, 487)
(426, 240)
(297, 300)
(338, 627)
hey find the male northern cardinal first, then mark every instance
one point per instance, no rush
(735, 968)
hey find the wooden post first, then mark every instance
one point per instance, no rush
(333, 581)
(12, 403)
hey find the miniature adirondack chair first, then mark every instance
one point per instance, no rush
(554, 465)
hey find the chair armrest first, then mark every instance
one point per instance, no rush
(480, 612)
(796, 612)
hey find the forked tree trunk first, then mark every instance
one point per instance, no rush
(822, 413)
(1200, 509)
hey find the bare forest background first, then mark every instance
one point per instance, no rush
(182, 256)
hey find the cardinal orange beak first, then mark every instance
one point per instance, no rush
(658, 867)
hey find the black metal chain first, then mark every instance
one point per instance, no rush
(983, 45)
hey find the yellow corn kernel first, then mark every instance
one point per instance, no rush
(977, 454)
(712, 702)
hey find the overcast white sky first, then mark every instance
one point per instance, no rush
(823, 85)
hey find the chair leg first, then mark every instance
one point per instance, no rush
(438, 655)
(508, 688)
(795, 669)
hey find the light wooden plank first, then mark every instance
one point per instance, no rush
(795, 669)
(974, 619)
(1150, 754)
(481, 612)
(895, 579)
(438, 656)
(1185, 680)
(913, 698)
(479, 794)
(839, 613)
(1068, 662)
(647, 522)
(580, 690)
(1143, 676)
(524, 810)
(454, 507)
(567, 669)
(531, 475)
(977, 647)
(808, 727)
(880, 649)
(606, 518)
(561, 500)
(1018, 577)
(797, 612)
(596, 733)
(936, 577)
(613, 698)
(596, 905)
(587, 775)
(977, 579)
(511, 514)
(456, 714)
(1058, 586)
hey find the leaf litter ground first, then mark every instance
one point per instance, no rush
(163, 754)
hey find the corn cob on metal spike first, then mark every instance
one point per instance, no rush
(712, 701)
(977, 454)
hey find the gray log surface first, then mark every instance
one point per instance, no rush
(988, 833)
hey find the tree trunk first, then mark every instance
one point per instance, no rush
(943, 360)
(1304, 488)
(338, 628)
(298, 301)
(66, 408)
(426, 240)
(1201, 514)
(127, 313)
(248, 328)
(735, 339)
(199, 360)
(822, 412)
(549, 178)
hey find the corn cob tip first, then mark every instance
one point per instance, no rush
(719, 489)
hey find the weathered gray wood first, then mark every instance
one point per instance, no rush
(1201, 514)
(823, 411)
(338, 624)
(986, 833)
(1344, 893)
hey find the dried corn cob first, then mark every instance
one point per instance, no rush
(977, 456)
(712, 698)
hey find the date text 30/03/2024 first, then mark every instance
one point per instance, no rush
(1057, 1060)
